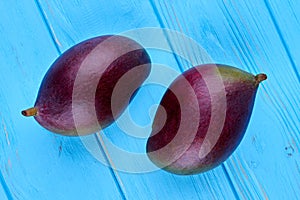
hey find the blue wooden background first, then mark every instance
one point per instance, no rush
(258, 36)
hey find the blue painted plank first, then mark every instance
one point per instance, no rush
(36, 164)
(2, 194)
(251, 33)
(276, 109)
(4, 191)
(257, 37)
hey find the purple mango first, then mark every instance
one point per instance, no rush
(202, 118)
(75, 96)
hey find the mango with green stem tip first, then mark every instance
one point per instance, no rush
(202, 118)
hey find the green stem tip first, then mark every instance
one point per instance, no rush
(29, 112)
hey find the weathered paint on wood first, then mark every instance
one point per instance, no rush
(36, 164)
(258, 36)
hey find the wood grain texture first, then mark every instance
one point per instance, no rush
(34, 163)
(3, 194)
(257, 36)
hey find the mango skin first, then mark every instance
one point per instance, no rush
(240, 90)
(54, 100)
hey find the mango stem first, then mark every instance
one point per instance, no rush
(260, 77)
(30, 112)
